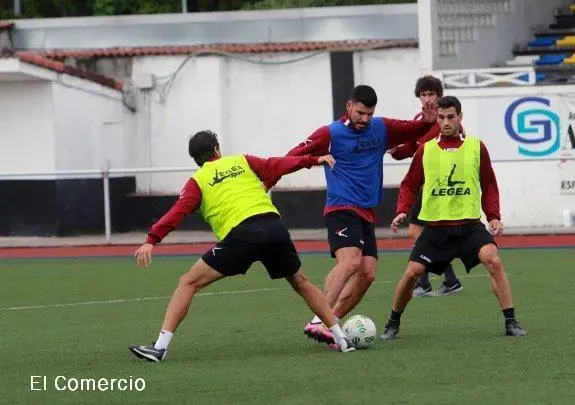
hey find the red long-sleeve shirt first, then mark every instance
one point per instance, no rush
(191, 196)
(408, 149)
(318, 144)
(414, 180)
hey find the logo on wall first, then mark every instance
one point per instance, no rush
(531, 122)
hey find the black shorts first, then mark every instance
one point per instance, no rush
(437, 246)
(347, 229)
(262, 238)
(415, 210)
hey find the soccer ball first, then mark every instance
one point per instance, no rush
(361, 331)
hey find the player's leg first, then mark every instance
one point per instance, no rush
(345, 237)
(279, 256)
(362, 279)
(198, 277)
(316, 301)
(356, 288)
(403, 294)
(430, 252)
(481, 247)
(230, 257)
(423, 286)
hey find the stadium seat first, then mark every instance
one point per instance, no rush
(566, 42)
(543, 41)
(551, 59)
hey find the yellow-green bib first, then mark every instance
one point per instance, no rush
(231, 193)
(452, 188)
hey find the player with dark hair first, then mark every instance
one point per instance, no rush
(457, 181)
(227, 193)
(428, 89)
(358, 142)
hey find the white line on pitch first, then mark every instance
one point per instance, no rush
(206, 294)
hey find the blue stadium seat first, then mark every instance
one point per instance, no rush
(551, 59)
(543, 41)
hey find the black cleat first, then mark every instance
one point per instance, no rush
(148, 352)
(512, 328)
(391, 330)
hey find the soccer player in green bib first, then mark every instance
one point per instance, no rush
(228, 193)
(458, 181)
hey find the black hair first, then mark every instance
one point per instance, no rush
(428, 83)
(202, 146)
(365, 95)
(448, 102)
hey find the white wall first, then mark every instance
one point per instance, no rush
(259, 108)
(27, 132)
(91, 126)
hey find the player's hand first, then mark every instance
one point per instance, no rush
(495, 227)
(144, 255)
(327, 159)
(429, 112)
(391, 151)
(397, 220)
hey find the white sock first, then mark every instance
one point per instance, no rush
(163, 340)
(317, 320)
(337, 331)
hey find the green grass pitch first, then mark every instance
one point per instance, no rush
(242, 342)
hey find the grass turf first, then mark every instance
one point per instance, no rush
(242, 342)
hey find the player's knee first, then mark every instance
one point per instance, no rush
(493, 263)
(189, 282)
(368, 275)
(413, 272)
(353, 263)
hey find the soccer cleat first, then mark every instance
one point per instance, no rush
(420, 291)
(344, 345)
(311, 330)
(149, 352)
(324, 335)
(391, 330)
(446, 289)
(512, 328)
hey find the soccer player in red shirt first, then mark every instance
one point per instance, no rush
(427, 89)
(457, 180)
(358, 142)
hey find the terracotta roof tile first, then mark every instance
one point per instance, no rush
(232, 48)
(6, 25)
(42, 61)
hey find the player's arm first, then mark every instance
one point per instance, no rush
(272, 168)
(409, 188)
(400, 132)
(317, 144)
(489, 192)
(407, 150)
(190, 200)
(404, 151)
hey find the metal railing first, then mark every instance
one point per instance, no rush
(104, 174)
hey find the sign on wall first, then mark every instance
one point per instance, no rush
(523, 127)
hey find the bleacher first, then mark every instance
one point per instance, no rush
(551, 51)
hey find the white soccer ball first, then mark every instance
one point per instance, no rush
(361, 331)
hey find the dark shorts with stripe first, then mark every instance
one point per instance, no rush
(264, 238)
(437, 246)
(415, 210)
(348, 229)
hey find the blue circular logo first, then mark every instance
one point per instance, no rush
(530, 122)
